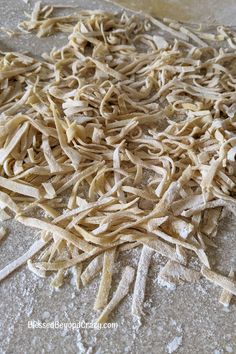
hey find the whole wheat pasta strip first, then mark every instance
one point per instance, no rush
(94, 267)
(52, 163)
(82, 208)
(193, 36)
(49, 189)
(75, 260)
(48, 209)
(226, 295)
(119, 207)
(116, 165)
(4, 215)
(174, 240)
(132, 224)
(20, 188)
(79, 176)
(213, 204)
(11, 73)
(157, 245)
(105, 68)
(203, 257)
(105, 282)
(210, 221)
(13, 109)
(89, 237)
(68, 263)
(189, 202)
(58, 280)
(73, 154)
(96, 205)
(11, 125)
(39, 272)
(210, 174)
(140, 282)
(111, 140)
(35, 248)
(84, 174)
(139, 193)
(3, 232)
(218, 279)
(47, 226)
(8, 202)
(4, 152)
(36, 11)
(77, 271)
(129, 246)
(172, 272)
(47, 131)
(165, 28)
(121, 291)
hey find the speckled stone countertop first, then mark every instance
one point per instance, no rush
(189, 317)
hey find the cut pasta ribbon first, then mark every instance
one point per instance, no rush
(121, 292)
(33, 250)
(226, 283)
(140, 282)
(226, 295)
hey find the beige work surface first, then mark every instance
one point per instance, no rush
(191, 314)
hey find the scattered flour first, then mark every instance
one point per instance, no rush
(79, 343)
(166, 284)
(45, 315)
(174, 344)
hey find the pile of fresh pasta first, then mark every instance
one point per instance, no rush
(120, 139)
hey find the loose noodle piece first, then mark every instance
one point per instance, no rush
(77, 270)
(121, 292)
(226, 295)
(34, 249)
(58, 280)
(140, 282)
(119, 139)
(94, 267)
(106, 279)
(173, 272)
(218, 279)
(3, 232)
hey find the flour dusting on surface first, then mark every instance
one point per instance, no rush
(174, 344)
